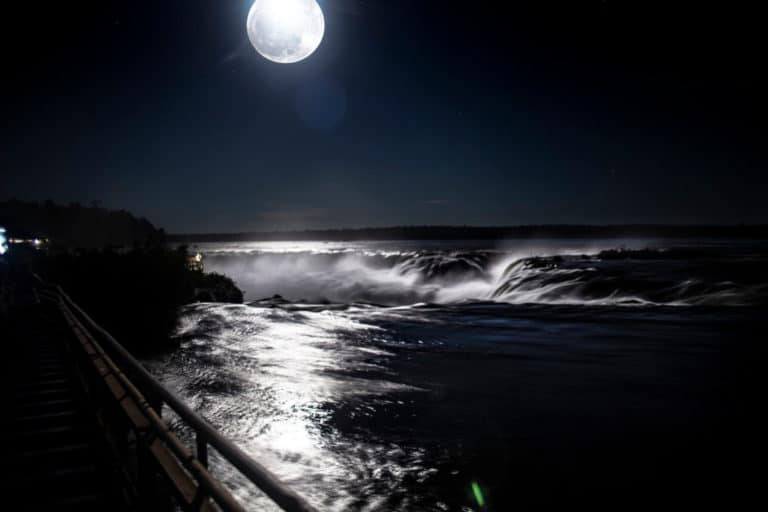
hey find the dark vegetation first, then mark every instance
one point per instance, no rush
(136, 294)
(130, 282)
(77, 226)
(487, 233)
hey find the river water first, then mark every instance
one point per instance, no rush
(465, 375)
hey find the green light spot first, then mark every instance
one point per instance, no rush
(478, 494)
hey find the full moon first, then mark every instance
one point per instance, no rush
(285, 31)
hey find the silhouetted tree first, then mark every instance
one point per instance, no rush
(74, 226)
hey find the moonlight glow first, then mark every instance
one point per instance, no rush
(285, 31)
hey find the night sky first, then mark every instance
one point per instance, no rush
(409, 112)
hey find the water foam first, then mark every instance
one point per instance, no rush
(359, 274)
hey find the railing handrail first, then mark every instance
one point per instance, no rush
(268, 483)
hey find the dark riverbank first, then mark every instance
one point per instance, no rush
(114, 264)
(75, 226)
(135, 294)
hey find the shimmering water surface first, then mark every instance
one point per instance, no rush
(398, 375)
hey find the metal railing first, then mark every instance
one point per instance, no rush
(142, 397)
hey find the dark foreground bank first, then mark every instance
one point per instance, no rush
(133, 293)
(114, 264)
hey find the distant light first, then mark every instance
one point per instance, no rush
(37, 242)
(198, 257)
(3, 242)
(478, 494)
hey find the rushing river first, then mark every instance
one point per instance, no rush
(378, 376)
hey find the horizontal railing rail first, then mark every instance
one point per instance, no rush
(151, 396)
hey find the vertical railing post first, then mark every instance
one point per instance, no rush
(157, 404)
(202, 449)
(154, 400)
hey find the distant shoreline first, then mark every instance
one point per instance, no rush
(757, 231)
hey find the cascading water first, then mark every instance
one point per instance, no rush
(630, 277)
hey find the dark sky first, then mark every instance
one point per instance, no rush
(410, 112)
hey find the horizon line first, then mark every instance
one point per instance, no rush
(470, 227)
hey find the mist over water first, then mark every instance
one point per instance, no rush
(544, 272)
(395, 375)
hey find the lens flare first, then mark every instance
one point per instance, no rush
(478, 494)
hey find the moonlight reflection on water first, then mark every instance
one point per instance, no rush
(270, 379)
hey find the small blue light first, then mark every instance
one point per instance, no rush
(3, 242)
